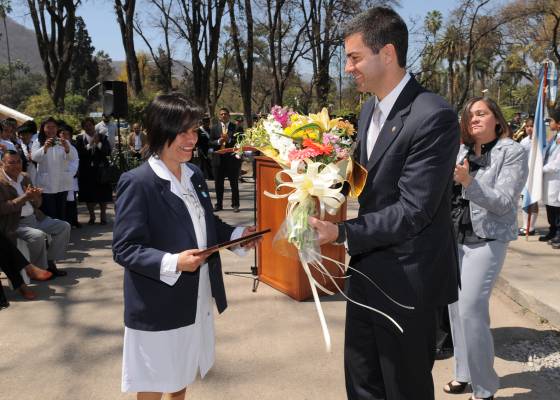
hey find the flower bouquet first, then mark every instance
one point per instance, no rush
(315, 153)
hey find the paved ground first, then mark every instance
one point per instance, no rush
(67, 344)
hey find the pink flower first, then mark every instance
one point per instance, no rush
(282, 115)
(329, 138)
(308, 152)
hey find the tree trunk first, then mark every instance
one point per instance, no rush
(245, 74)
(55, 45)
(125, 18)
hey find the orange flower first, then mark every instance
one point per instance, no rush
(325, 149)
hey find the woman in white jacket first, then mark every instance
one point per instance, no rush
(551, 182)
(52, 155)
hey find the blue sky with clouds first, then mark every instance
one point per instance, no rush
(103, 28)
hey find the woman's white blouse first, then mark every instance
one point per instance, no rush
(51, 166)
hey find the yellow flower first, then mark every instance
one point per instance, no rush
(323, 120)
(346, 126)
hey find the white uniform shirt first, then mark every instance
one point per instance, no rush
(51, 166)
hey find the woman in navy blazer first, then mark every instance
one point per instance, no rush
(163, 216)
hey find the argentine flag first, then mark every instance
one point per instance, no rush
(547, 91)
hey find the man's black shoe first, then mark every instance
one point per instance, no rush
(546, 237)
(54, 270)
(4, 303)
(235, 209)
(218, 208)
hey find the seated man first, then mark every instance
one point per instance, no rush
(21, 218)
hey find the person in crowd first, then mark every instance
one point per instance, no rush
(526, 143)
(71, 178)
(163, 217)
(223, 136)
(137, 141)
(401, 239)
(9, 126)
(490, 173)
(25, 132)
(108, 128)
(51, 154)
(203, 147)
(93, 150)
(13, 263)
(515, 123)
(20, 217)
(5, 142)
(551, 182)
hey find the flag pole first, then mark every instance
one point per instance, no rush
(545, 84)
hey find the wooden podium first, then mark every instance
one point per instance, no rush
(280, 271)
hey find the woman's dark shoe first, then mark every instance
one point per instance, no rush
(103, 222)
(523, 232)
(455, 387)
(91, 221)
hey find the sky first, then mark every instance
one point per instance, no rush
(103, 28)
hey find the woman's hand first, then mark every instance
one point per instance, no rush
(251, 244)
(48, 144)
(65, 144)
(189, 262)
(461, 174)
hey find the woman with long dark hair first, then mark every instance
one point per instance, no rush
(489, 176)
(51, 154)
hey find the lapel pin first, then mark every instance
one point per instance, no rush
(393, 129)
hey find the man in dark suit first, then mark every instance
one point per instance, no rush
(223, 136)
(402, 238)
(202, 146)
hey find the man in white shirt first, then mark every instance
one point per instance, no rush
(108, 128)
(20, 214)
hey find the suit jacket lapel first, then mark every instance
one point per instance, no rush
(363, 129)
(176, 205)
(394, 122)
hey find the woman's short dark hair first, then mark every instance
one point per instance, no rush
(167, 116)
(42, 136)
(502, 127)
(86, 120)
(380, 26)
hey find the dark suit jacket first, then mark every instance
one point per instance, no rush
(225, 160)
(150, 221)
(10, 212)
(402, 237)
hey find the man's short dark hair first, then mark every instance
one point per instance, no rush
(27, 127)
(224, 109)
(10, 153)
(380, 26)
(555, 114)
(9, 122)
(168, 115)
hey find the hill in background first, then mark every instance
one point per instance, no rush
(23, 46)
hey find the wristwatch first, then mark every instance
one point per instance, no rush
(341, 238)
